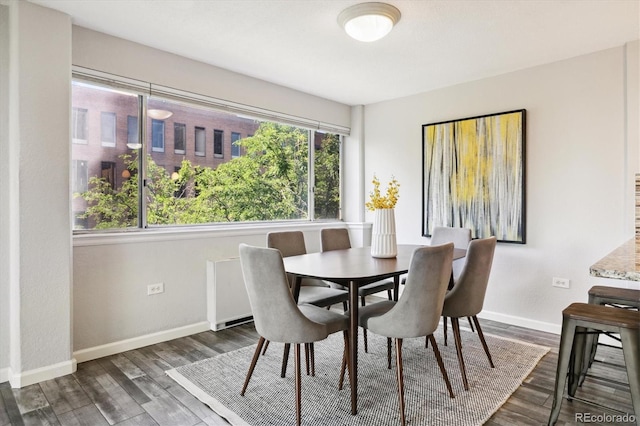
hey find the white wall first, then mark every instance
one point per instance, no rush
(36, 225)
(579, 202)
(124, 58)
(4, 200)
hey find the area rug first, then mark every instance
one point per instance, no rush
(270, 399)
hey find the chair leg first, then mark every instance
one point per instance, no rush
(484, 342)
(345, 306)
(470, 324)
(389, 353)
(285, 360)
(400, 380)
(458, 340)
(307, 351)
(436, 352)
(345, 361)
(444, 329)
(313, 359)
(364, 330)
(266, 345)
(390, 294)
(296, 357)
(254, 360)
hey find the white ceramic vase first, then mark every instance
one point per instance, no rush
(383, 235)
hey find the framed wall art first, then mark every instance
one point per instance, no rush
(474, 175)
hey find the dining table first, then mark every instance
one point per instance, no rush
(353, 268)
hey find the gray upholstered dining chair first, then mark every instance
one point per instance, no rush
(417, 312)
(312, 291)
(338, 239)
(466, 298)
(276, 315)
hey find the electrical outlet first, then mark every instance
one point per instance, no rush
(155, 289)
(560, 282)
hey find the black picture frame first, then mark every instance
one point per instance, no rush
(473, 175)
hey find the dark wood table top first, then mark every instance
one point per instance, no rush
(355, 264)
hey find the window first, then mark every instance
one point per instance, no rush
(108, 173)
(218, 137)
(79, 125)
(80, 176)
(264, 180)
(179, 137)
(201, 138)
(235, 148)
(157, 135)
(108, 128)
(132, 132)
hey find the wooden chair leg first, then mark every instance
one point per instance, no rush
(345, 306)
(444, 329)
(389, 353)
(266, 345)
(436, 352)
(254, 360)
(306, 357)
(298, 383)
(285, 360)
(458, 340)
(345, 361)
(313, 359)
(400, 380)
(364, 330)
(484, 343)
(470, 324)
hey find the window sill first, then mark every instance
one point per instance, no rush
(135, 236)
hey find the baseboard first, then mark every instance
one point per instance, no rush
(522, 322)
(30, 377)
(4, 375)
(139, 342)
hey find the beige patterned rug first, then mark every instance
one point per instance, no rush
(270, 400)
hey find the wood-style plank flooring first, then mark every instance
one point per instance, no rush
(131, 388)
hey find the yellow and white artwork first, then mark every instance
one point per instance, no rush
(474, 175)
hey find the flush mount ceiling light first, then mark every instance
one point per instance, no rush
(159, 114)
(369, 21)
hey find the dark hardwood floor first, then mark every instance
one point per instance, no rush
(132, 388)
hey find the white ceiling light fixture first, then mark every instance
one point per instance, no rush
(369, 21)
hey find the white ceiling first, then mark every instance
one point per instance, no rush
(298, 43)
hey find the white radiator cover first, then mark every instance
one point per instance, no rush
(227, 299)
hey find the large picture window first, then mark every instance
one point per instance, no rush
(270, 181)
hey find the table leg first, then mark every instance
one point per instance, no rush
(353, 335)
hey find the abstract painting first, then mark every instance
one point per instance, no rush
(474, 175)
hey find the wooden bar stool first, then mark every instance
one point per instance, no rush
(623, 298)
(576, 319)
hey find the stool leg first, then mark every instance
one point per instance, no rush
(566, 342)
(631, 350)
(576, 360)
(590, 347)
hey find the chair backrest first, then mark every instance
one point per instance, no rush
(418, 311)
(467, 295)
(290, 243)
(276, 315)
(334, 239)
(460, 237)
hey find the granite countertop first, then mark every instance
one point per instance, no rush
(620, 264)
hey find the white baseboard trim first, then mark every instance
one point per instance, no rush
(139, 342)
(4, 375)
(30, 377)
(522, 322)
